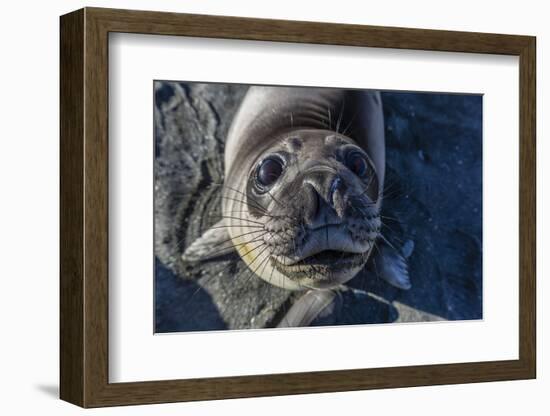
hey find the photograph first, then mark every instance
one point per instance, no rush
(301, 206)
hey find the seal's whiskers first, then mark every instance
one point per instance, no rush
(222, 249)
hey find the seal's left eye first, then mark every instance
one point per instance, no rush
(269, 171)
(357, 163)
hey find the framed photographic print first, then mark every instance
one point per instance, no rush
(259, 207)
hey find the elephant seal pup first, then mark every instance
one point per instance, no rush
(303, 189)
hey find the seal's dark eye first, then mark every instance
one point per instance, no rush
(269, 171)
(357, 163)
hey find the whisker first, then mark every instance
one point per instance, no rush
(225, 241)
(246, 203)
(253, 249)
(221, 250)
(374, 262)
(264, 215)
(249, 199)
(259, 254)
(241, 235)
(250, 269)
(350, 123)
(397, 193)
(391, 219)
(340, 116)
(238, 219)
(386, 241)
(371, 180)
(237, 226)
(266, 262)
(241, 193)
(393, 237)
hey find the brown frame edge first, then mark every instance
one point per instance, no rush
(84, 207)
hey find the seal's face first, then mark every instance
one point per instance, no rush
(317, 196)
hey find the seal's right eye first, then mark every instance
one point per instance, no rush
(269, 170)
(357, 163)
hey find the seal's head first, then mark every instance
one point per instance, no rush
(315, 194)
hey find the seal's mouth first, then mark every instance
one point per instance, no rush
(325, 256)
(320, 266)
(331, 257)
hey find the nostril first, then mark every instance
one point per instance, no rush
(332, 191)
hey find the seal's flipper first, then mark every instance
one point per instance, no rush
(214, 243)
(391, 265)
(308, 307)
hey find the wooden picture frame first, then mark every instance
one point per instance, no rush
(84, 207)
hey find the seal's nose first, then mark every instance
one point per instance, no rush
(323, 198)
